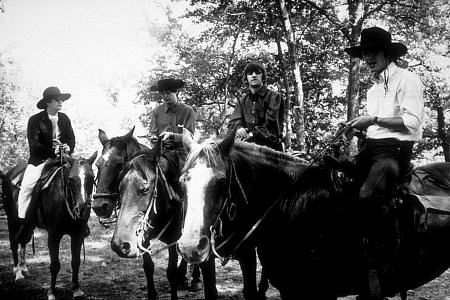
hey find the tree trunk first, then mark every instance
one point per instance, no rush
(445, 138)
(298, 88)
(287, 98)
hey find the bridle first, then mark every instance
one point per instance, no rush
(231, 211)
(145, 225)
(115, 198)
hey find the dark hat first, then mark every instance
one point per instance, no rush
(167, 84)
(375, 37)
(254, 66)
(50, 93)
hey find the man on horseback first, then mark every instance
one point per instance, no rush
(49, 134)
(168, 121)
(393, 123)
(259, 114)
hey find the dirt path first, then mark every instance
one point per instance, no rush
(104, 275)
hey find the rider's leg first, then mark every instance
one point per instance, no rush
(30, 177)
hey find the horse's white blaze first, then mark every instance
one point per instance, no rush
(106, 156)
(82, 176)
(199, 175)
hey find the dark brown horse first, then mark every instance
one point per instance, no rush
(63, 208)
(151, 210)
(116, 152)
(307, 233)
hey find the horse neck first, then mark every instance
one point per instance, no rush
(265, 174)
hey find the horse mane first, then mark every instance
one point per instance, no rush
(121, 142)
(312, 187)
(209, 150)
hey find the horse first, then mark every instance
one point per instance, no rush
(116, 152)
(151, 210)
(63, 207)
(306, 230)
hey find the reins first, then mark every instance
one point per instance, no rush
(214, 248)
(145, 225)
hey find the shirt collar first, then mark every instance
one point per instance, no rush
(172, 108)
(386, 74)
(262, 91)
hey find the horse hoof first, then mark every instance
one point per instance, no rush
(78, 294)
(196, 285)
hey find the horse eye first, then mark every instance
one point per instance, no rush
(144, 190)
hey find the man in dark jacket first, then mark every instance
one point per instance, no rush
(49, 132)
(259, 114)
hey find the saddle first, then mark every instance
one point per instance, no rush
(423, 194)
(428, 194)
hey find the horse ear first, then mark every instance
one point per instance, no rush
(130, 134)
(227, 142)
(188, 140)
(92, 158)
(102, 137)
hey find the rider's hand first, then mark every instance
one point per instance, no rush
(65, 148)
(166, 135)
(361, 122)
(241, 134)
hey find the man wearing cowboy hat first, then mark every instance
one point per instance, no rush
(259, 114)
(167, 122)
(393, 123)
(48, 133)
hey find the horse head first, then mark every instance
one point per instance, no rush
(115, 153)
(80, 185)
(205, 176)
(146, 203)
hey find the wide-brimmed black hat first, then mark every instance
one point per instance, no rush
(50, 93)
(167, 84)
(375, 37)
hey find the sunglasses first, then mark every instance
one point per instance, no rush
(257, 72)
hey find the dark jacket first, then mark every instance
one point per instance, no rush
(262, 114)
(40, 136)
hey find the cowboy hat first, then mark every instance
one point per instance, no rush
(50, 93)
(167, 84)
(377, 38)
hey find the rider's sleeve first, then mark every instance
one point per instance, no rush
(272, 128)
(37, 149)
(237, 118)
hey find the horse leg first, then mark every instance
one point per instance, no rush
(182, 281)
(247, 262)
(172, 272)
(53, 248)
(196, 283)
(76, 241)
(263, 285)
(149, 269)
(209, 278)
(20, 267)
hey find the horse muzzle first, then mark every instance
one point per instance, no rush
(194, 251)
(103, 205)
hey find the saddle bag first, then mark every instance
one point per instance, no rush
(431, 213)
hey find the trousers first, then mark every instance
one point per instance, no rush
(30, 177)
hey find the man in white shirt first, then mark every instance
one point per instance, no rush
(395, 114)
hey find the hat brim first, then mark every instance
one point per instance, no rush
(176, 84)
(394, 49)
(42, 104)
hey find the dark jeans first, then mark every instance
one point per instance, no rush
(382, 163)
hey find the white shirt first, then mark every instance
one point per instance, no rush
(56, 132)
(402, 98)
